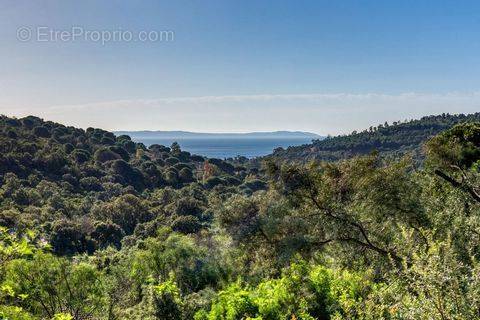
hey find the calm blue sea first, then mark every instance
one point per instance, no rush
(228, 147)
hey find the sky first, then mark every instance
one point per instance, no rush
(328, 67)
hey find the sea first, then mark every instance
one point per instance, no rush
(222, 148)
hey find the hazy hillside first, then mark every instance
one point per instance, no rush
(42, 159)
(390, 139)
(94, 160)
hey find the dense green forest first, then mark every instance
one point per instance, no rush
(392, 140)
(95, 226)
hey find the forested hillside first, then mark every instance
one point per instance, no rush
(392, 140)
(95, 226)
(76, 187)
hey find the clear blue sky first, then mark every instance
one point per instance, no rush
(322, 66)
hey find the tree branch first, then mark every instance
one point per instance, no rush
(367, 244)
(462, 186)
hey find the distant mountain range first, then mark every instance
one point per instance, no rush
(145, 134)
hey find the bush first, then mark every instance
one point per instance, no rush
(105, 154)
(123, 138)
(41, 132)
(121, 152)
(255, 185)
(68, 238)
(197, 158)
(186, 224)
(171, 161)
(171, 177)
(91, 184)
(186, 175)
(14, 313)
(222, 165)
(131, 175)
(167, 301)
(302, 292)
(12, 134)
(187, 206)
(80, 155)
(107, 141)
(126, 211)
(158, 148)
(68, 148)
(129, 146)
(213, 182)
(106, 234)
(28, 122)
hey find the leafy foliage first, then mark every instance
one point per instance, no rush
(94, 226)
